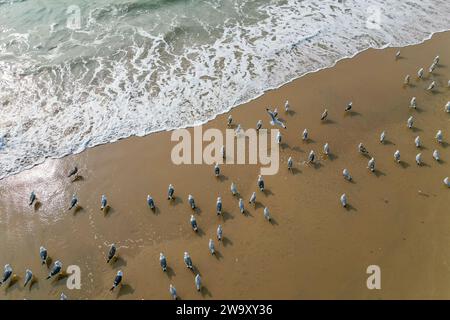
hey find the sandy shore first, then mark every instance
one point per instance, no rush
(397, 219)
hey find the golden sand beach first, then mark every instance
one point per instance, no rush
(397, 218)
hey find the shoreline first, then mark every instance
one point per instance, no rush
(313, 249)
(200, 123)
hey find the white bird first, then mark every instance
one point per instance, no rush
(326, 149)
(223, 152)
(371, 164)
(436, 155)
(103, 202)
(311, 156)
(346, 174)
(420, 73)
(150, 202)
(260, 183)
(163, 261)
(241, 205)
(407, 79)
(252, 198)
(233, 189)
(448, 83)
(413, 103)
(194, 223)
(170, 192)
(219, 233)
(439, 136)
(216, 170)
(397, 55)
(382, 136)
(238, 130)
(230, 120)
(324, 115)
(43, 255)
(198, 282)
(187, 260)
(32, 198)
(349, 106)
(211, 246)
(344, 200)
(286, 106)
(290, 163)
(267, 214)
(57, 266)
(410, 122)
(432, 67)
(173, 292)
(417, 142)
(305, 134)
(447, 107)
(362, 149)
(191, 201)
(278, 137)
(219, 205)
(436, 60)
(447, 182)
(7, 273)
(397, 156)
(258, 125)
(419, 159)
(111, 252)
(431, 86)
(274, 119)
(73, 202)
(62, 296)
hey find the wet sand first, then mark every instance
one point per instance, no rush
(398, 217)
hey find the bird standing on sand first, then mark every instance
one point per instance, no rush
(43, 255)
(32, 198)
(324, 115)
(173, 292)
(187, 260)
(344, 200)
(286, 106)
(150, 202)
(237, 131)
(447, 106)
(258, 125)
(447, 181)
(73, 202)
(211, 246)
(417, 142)
(371, 164)
(229, 121)
(73, 172)
(233, 189)
(219, 205)
(260, 183)
(117, 280)
(326, 149)
(198, 282)
(274, 119)
(419, 159)
(431, 86)
(311, 156)
(406, 81)
(305, 135)
(28, 277)
(410, 122)
(216, 170)
(436, 60)
(194, 223)
(267, 214)
(163, 261)
(432, 67)
(290, 163)
(252, 198)
(346, 174)
(62, 296)
(397, 156)
(103, 202)
(382, 136)
(412, 103)
(397, 55)
(170, 192)
(219, 233)
(241, 205)
(362, 149)
(420, 73)
(191, 201)
(7, 272)
(436, 155)
(278, 138)
(57, 266)
(349, 107)
(111, 252)
(439, 136)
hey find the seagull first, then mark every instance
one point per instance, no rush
(436, 155)
(211, 246)
(111, 253)
(7, 272)
(432, 67)
(382, 136)
(229, 121)
(191, 201)
(241, 205)
(305, 134)
(420, 73)
(267, 214)
(117, 280)
(222, 152)
(219, 233)
(419, 159)
(448, 83)
(344, 200)
(233, 189)
(289, 163)
(439, 137)
(73, 172)
(170, 192)
(219, 205)
(258, 125)
(278, 137)
(73, 202)
(446, 182)
(43, 255)
(447, 106)
(417, 142)
(163, 261)
(252, 198)
(187, 260)
(311, 156)
(275, 120)
(397, 55)
(407, 79)
(237, 131)
(410, 122)
(362, 149)
(198, 282)
(349, 106)
(371, 164)
(326, 149)
(413, 103)
(436, 60)
(397, 156)
(346, 175)
(431, 86)
(216, 170)
(324, 115)
(55, 270)
(28, 277)
(194, 223)
(173, 292)
(150, 202)
(32, 198)
(63, 296)
(286, 106)
(103, 202)
(260, 183)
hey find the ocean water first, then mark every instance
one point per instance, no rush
(75, 74)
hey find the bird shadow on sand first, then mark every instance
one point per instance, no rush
(290, 112)
(273, 221)
(217, 255)
(403, 164)
(12, 284)
(107, 210)
(34, 284)
(415, 129)
(37, 205)
(247, 213)
(295, 171)
(258, 205)
(200, 232)
(316, 165)
(352, 114)
(309, 141)
(267, 192)
(118, 262)
(124, 290)
(170, 273)
(197, 210)
(331, 156)
(48, 262)
(156, 211)
(77, 210)
(59, 279)
(424, 164)
(175, 201)
(205, 292)
(222, 178)
(366, 155)
(226, 216)
(349, 208)
(297, 149)
(444, 144)
(78, 178)
(226, 241)
(388, 142)
(328, 121)
(378, 173)
(419, 110)
(284, 145)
